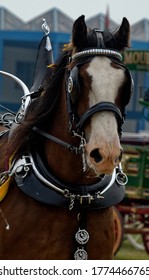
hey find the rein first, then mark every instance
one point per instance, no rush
(76, 150)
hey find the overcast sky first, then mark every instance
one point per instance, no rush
(134, 10)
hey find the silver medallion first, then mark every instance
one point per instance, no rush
(80, 254)
(70, 84)
(82, 236)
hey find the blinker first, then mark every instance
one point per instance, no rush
(74, 85)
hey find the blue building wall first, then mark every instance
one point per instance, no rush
(21, 47)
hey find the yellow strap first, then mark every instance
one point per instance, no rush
(4, 188)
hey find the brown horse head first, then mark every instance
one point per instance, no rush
(100, 79)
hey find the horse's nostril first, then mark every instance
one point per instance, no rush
(96, 155)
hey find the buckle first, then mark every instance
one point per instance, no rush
(85, 199)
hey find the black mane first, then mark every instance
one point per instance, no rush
(40, 111)
(42, 107)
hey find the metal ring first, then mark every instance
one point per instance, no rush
(121, 178)
(19, 171)
(19, 117)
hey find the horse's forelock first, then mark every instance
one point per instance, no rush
(107, 36)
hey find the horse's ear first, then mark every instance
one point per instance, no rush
(79, 33)
(123, 35)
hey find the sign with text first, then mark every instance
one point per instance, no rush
(136, 60)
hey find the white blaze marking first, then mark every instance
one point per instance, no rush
(106, 81)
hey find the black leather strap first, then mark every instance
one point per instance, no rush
(57, 140)
(102, 106)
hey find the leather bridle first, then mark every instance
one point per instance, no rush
(76, 122)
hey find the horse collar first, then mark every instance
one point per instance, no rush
(35, 180)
